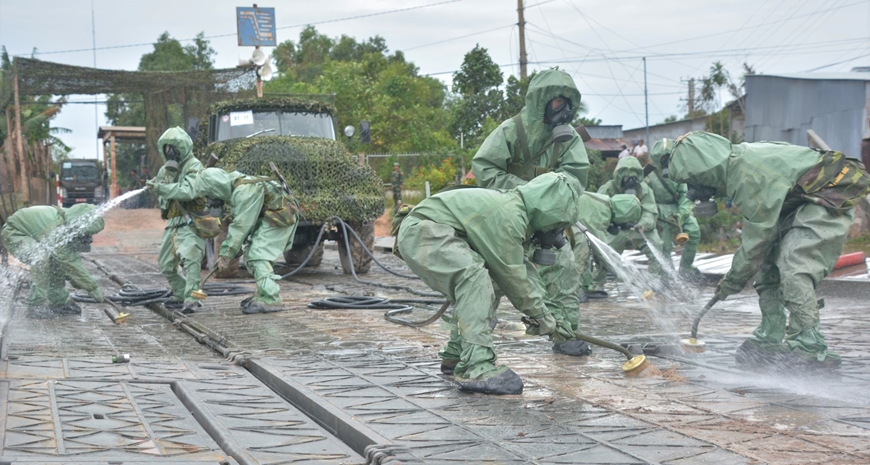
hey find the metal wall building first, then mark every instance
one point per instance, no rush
(834, 105)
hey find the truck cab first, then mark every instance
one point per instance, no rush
(81, 181)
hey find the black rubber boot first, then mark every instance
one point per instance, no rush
(447, 366)
(583, 297)
(41, 312)
(576, 348)
(506, 383)
(173, 304)
(71, 308)
(597, 294)
(190, 307)
(259, 307)
(755, 354)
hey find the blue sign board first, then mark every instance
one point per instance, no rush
(256, 26)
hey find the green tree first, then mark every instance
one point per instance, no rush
(128, 109)
(406, 111)
(36, 115)
(477, 85)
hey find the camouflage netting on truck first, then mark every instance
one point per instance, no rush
(321, 173)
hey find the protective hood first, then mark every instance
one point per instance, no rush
(628, 166)
(216, 183)
(82, 216)
(551, 201)
(661, 148)
(625, 208)
(701, 158)
(179, 138)
(546, 86)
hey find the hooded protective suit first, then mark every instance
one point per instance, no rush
(676, 211)
(176, 195)
(790, 240)
(40, 237)
(629, 167)
(598, 213)
(505, 162)
(463, 243)
(258, 209)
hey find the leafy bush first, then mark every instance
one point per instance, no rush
(439, 176)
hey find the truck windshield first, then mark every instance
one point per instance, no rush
(239, 124)
(76, 172)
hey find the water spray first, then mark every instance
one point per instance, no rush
(692, 344)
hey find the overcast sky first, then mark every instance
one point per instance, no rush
(599, 43)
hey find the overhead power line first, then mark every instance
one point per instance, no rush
(312, 23)
(459, 37)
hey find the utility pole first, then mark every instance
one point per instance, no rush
(691, 99)
(96, 107)
(522, 24)
(646, 102)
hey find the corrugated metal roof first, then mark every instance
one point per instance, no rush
(817, 76)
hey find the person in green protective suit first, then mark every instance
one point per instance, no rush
(628, 179)
(538, 140)
(261, 210)
(796, 204)
(177, 196)
(676, 211)
(469, 245)
(50, 239)
(601, 216)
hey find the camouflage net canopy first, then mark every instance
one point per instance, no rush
(323, 176)
(194, 91)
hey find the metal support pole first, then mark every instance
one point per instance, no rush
(114, 166)
(646, 103)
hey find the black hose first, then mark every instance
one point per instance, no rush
(603, 343)
(704, 311)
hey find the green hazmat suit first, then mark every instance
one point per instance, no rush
(40, 237)
(630, 238)
(257, 209)
(790, 240)
(676, 211)
(504, 162)
(597, 213)
(470, 245)
(176, 195)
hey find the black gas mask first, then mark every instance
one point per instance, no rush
(546, 241)
(172, 157)
(703, 198)
(559, 119)
(629, 185)
(82, 243)
(214, 206)
(614, 228)
(665, 161)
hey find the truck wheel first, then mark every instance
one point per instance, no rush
(361, 260)
(295, 257)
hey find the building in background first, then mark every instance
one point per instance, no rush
(606, 139)
(834, 105)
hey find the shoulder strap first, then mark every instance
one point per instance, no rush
(668, 188)
(524, 141)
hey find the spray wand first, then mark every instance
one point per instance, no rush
(693, 344)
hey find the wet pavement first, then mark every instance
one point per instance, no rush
(346, 386)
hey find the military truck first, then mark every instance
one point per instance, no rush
(298, 134)
(81, 181)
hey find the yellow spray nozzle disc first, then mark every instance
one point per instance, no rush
(648, 294)
(633, 363)
(681, 238)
